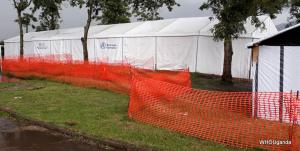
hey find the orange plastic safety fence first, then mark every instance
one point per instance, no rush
(115, 77)
(243, 120)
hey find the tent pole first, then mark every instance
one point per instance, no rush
(71, 45)
(251, 63)
(155, 67)
(122, 50)
(256, 90)
(50, 47)
(281, 83)
(95, 55)
(197, 51)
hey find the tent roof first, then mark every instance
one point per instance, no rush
(168, 27)
(287, 37)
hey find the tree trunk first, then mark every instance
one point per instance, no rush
(27, 28)
(2, 53)
(21, 34)
(52, 23)
(84, 40)
(228, 53)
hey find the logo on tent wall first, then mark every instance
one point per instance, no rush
(42, 46)
(105, 45)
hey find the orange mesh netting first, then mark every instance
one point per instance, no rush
(165, 99)
(115, 77)
(236, 119)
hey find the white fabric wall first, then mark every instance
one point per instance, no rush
(241, 59)
(172, 52)
(28, 48)
(268, 107)
(57, 47)
(109, 50)
(210, 57)
(140, 52)
(291, 80)
(176, 53)
(42, 48)
(269, 80)
(76, 50)
(291, 69)
(269, 69)
(11, 49)
(91, 50)
(61, 47)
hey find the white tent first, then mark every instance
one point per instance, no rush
(165, 44)
(275, 69)
(276, 59)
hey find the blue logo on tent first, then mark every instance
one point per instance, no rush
(105, 45)
(42, 46)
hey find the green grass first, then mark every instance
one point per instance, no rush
(95, 112)
(206, 82)
(3, 115)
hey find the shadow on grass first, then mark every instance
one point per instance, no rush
(214, 83)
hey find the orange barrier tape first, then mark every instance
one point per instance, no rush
(243, 120)
(114, 77)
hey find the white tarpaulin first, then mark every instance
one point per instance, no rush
(42, 48)
(170, 44)
(276, 70)
(291, 69)
(213, 57)
(268, 79)
(269, 69)
(109, 50)
(176, 53)
(140, 52)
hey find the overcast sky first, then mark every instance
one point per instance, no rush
(74, 17)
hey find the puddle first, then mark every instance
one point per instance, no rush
(6, 79)
(16, 138)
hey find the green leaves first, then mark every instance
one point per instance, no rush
(295, 12)
(49, 13)
(21, 5)
(232, 14)
(148, 9)
(114, 11)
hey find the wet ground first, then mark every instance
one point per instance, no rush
(14, 137)
(6, 79)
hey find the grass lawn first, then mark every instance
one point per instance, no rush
(96, 112)
(214, 83)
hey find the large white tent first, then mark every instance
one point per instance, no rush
(164, 45)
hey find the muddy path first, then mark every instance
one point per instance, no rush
(14, 137)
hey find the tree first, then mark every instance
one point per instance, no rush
(109, 8)
(2, 50)
(27, 21)
(232, 15)
(114, 12)
(93, 8)
(149, 9)
(21, 6)
(295, 12)
(50, 13)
